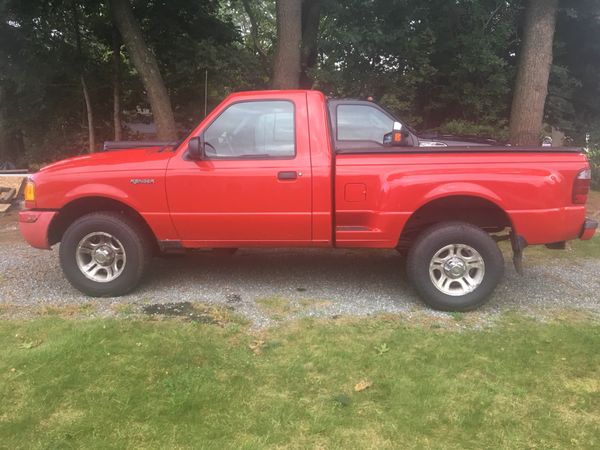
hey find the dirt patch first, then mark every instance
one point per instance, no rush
(9, 226)
(67, 310)
(190, 311)
(593, 205)
(277, 308)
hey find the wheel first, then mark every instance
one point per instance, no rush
(105, 254)
(455, 266)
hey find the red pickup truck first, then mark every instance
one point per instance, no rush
(294, 169)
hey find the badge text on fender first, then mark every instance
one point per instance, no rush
(142, 181)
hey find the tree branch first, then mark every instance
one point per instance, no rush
(493, 15)
(254, 34)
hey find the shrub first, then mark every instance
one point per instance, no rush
(466, 128)
(594, 157)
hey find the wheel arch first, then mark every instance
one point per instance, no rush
(81, 206)
(479, 210)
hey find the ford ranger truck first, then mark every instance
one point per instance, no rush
(294, 169)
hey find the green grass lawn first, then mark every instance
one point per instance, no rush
(586, 249)
(540, 254)
(157, 384)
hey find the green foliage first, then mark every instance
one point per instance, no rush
(200, 38)
(427, 61)
(473, 57)
(466, 128)
(594, 157)
(173, 384)
(573, 102)
(436, 64)
(593, 147)
(42, 114)
(458, 316)
(375, 48)
(382, 349)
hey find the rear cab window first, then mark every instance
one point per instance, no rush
(360, 126)
(362, 123)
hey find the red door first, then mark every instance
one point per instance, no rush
(254, 186)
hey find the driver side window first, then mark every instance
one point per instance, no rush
(253, 130)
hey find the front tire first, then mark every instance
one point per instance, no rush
(455, 266)
(105, 254)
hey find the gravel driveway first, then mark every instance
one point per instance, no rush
(306, 282)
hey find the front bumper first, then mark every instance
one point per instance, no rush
(588, 229)
(34, 227)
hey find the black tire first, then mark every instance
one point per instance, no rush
(134, 240)
(435, 238)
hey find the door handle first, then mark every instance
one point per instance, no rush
(291, 175)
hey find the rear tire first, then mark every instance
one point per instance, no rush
(105, 254)
(455, 266)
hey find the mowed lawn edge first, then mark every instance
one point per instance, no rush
(174, 384)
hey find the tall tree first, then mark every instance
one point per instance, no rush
(535, 60)
(4, 144)
(84, 86)
(573, 102)
(116, 82)
(286, 67)
(147, 66)
(311, 14)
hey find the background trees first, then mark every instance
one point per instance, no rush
(146, 65)
(450, 66)
(286, 67)
(535, 61)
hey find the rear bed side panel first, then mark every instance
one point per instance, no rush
(533, 188)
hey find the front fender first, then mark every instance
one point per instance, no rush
(99, 190)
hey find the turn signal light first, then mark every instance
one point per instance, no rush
(581, 186)
(29, 194)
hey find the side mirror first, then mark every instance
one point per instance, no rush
(195, 148)
(397, 138)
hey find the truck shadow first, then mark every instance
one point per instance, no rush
(258, 273)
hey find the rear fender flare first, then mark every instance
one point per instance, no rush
(464, 189)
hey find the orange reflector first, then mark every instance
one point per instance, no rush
(29, 192)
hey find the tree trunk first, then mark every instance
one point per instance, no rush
(531, 86)
(3, 126)
(311, 14)
(86, 92)
(116, 47)
(12, 145)
(147, 66)
(286, 68)
(90, 116)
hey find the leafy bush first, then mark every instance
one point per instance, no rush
(465, 128)
(593, 145)
(594, 157)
